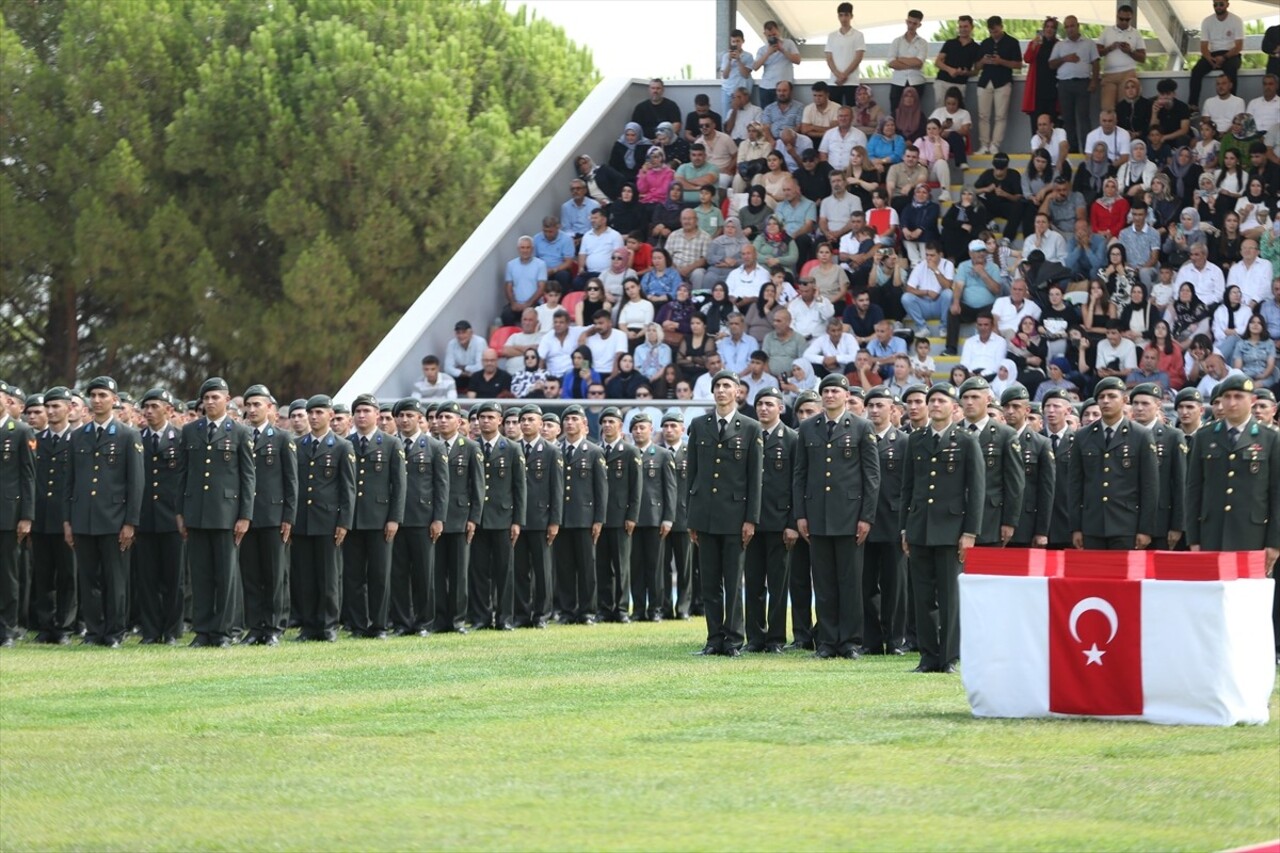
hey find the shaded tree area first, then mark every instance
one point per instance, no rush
(196, 187)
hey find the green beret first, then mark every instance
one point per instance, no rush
(1036, 408)
(5, 388)
(125, 397)
(974, 383)
(106, 383)
(32, 401)
(724, 374)
(365, 400)
(610, 412)
(320, 401)
(1087, 402)
(881, 393)
(387, 406)
(1056, 394)
(807, 397)
(857, 391)
(673, 416)
(298, 404)
(408, 404)
(448, 407)
(192, 405)
(530, 409)
(258, 391)
(215, 383)
(944, 388)
(486, 408)
(429, 409)
(834, 380)
(574, 409)
(915, 388)
(769, 392)
(158, 394)
(1149, 389)
(1235, 382)
(1265, 394)
(57, 392)
(551, 418)
(341, 409)
(1109, 383)
(511, 412)
(641, 418)
(1014, 392)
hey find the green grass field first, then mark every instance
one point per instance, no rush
(610, 737)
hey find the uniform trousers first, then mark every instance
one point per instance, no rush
(9, 586)
(720, 559)
(533, 583)
(646, 574)
(53, 585)
(366, 581)
(103, 584)
(213, 557)
(492, 583)
(1108, 543)
(677, 575)
(837, 589)
(935, 575)
(453, 556)
(613, 573)
(157, 559)
(317, 582)
(884, 596)
(262, 565)
(25, 613)
(575, 568)
(800, 587)
(767, 565)
(413, 591)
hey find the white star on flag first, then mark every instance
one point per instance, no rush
(1093, 654)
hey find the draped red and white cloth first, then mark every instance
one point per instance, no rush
(1174, 638)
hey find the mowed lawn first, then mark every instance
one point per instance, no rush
(610, 737)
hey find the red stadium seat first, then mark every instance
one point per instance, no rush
(499, 338)
(570, 302)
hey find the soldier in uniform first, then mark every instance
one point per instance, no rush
(341, 424)
(768, 560)
(884, 574)
(505, 492)
(1145, 401)
(1002, 456)
(215, 505)
(943, 487)
(725, 471)
(586, 498)
(1264, 407)
(677, 556)
(298, 419)
(1039, 470)
(544, 510)
(613, 551)
(1057, 410)
(326, 506)
(413, 593)
(551, 429)
(102, 509)
(17, 510)
(835, 494)
(387, 420)
(657, 512)
(1188, 405)
(1114, 478)
(159, 552)
(800, 581)
(53, 581)
(466, 505)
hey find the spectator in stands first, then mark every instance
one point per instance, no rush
(935, 154)
(978, 280)
(1265, 108)
(955, 122)
(736, 347)
(717, 309)
(1224, 249)
(1229, 321)
(1139, 315)
(742, 115)
(907, 55)
(759, 313)
(625, 380)
(1182, 236)
(844, 50)
(909, 117)
(627, 153)
(792, 145)
(1047, 241)
(1206, 278)
(633, 313)
(1008, 311)
(1133, 110)
(866, 112)
(724, 253)
(784, 112)
(556, 250)
(1141, 244)
(1164, 207)
(525, 281)
(697, 349)
(833, 352)
(665, 217)
(835, 215)
(813, 177)
(904, 177)
(462, 356)
(1264, 170)
(1159, 149)
(1000, 190)
(1222, 107)
(603, 182)
(838, 142)
(657, 109)
(861, 316)
(556, 348)
(1215, 370)
(961, 224)
(1252, 274)
(1171, 116)
(1255, 353)
(688, 248)
(665, 387)
(777, 58)
(1221, 43)
(605, 342)
(693, 121)
(886, 147)
(798, 217)
(919, 221)
(652, 356)
(1110, 212)
(520, 342)
(1134, 176)
(674, 316)
(1168, 354)
(1109, 133)
(531, 381)
(1252, 209)
(774, 248)
(434, 385)
(811, 311)
(575, 213)
(753, 153)
(984, 350)
(627, 214)
(1001, 56)
(659, 284)
(774, 178)
(734, 72)
(697, 173)
(819, 115)
(596, 248)
(927, 293)
(1077, 65)
(1086, 251)
(782, 344)
(578, 381)
(884, 347)
(673, 146)
(957, 61)
(491, 381)
(744, 282)
(831, 279)
(1122, 48)
(721, 150)
(1089, 177)
(596, 298)
(1188, 315)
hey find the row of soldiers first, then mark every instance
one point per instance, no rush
(865, 509)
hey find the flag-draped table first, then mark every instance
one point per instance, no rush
(1166, 637)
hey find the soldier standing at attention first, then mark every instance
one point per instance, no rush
(586, 496)
(1171, 452)
(159, 550)
(53, 574)
(1189, 407)
(505, 491)
(1039, 471)
(466, 504)
(1114, 479)
(17, 509)
(413, 593)
(215, 506)
(725, 469)
(835, 495)
(102, 510)
(769, 552)
(943, 488)
(653, 522)
(884, 575)
(613, 551)
(677, 557)
(800, 583)
(544, 510)
(325, 510)
(1002, 457)
(1062, 439)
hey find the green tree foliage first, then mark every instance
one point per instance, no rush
(257, 189)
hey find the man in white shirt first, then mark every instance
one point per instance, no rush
(833, 352)
(1045, 240)
(1076, 62)
(745, 281)
(1008, 311)
(1205, 277)
(1052, 139)
(983, 352)
(1121, 48)
(596, 247)
(819, 116)
(605, 342)
(1265, 108)
(527, 338)
(838, 143)
(1252, 274)
(702, 386)
(811, 311)
(1223, 107)
(927, 293)
(1115, 138)
(1117, 355)
(722, 151)
(1221, 43)
(844, 51)
(1215, 370)
(835, 215)
(556, 348)
(742, 114)
(907, 55)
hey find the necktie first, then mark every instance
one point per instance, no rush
(937, 440)
(55, 440)
(1054, 440)
(256, 432)
(723, 421)
(973, 427)
(831, 428)
(1109, 432)
(528, 448)
(213, 431)
(100, 432)
(1233, 434)
(568, 454)
(155, 442)
(488, 448)
(364, 444)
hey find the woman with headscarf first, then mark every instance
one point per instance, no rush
(1095, 169)
(961, 224)
(799, 378)
(1040, 94)
(866, 112)
(1188, 316)
(574, 384)
(674, 316)
(753, 214)
(629, 150)
(886, 147)
(1182, 236)
(1185, 172)
(775, 247)
(724, 255)
(652, 355)
(1253, 208)
(603, 182)
(909, 118)
(664, 219)
(1133, 111)
(1006, 375)
(1059, 367)
(1229, 321)
(1243, 133)
(751, 156)
(675, 148)
(1139, 316)
(717, 309)
(654, 177)
(627, 214)
(1109, 212)
(1136, 173)
(623, 384)
(919, 222)
(1164, 206)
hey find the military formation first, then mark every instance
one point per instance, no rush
(846, 516)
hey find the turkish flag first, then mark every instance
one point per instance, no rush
(1095, 647)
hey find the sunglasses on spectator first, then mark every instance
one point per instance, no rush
(619, 258)
(589, 289)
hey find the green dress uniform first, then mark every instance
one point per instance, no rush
(413, 592)
(1233, 488)
(1040, 474)
(657, 506)
(544, 506)
(262, 550)
(1063, 447)
(216, 485)
(613, 551)
(1171, 453)
(1114, 485)
(768, 561)
(505, 497)
(104, 493)
(17, 503)
(677, 556)
(1004, 478)
(836, 485)
(53, 576)
(326, 501)
(366, 553)
(586, 498)
(453, 552)
(884, 572)
(159, 552)
(726, 465)
(943, 488)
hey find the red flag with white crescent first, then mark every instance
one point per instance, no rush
(1095, 647)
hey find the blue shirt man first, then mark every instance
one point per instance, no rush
(575, 214)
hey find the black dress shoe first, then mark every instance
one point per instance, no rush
(250, 640)
(221, 643)
(623, 619)
(269, 640)
(894, 650)
(7, 643)
(870, 650)
(850, 654)
(774, 649)
(111, 644)
(824, 654)
(683, 617)
(587, 620)
(922, 668)
(198, 643)
(461, 629)
(706, 651)
(732, 652)
(60, 639)
(506, 626)
(540, 625)
(949, 669)
(169, 641)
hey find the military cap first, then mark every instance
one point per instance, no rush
(106, 383)
(610, 412)
(486, 408)
(125, 396)
(195, 404)
(429, 408)
(914, 388)
(1265, 394)
(365, 400)
(771, 391)
(511, 412)
(258, 391)
(179, 407)
(341, 409)
(157, 394)
(724, 374)
(1109, 383)
(574, 409)
(214, 383)
(1014, 392)
(408, 404)
(297, 404)
(550, 418)
(857, 391)
(882, 393)
(448, 407)
(474, 412)
(1036, 408)
(807, 397)
(1149, 389)
(1056, 394)
(673, 416)
(32, 401)
(641, 418)
(1087, 402)
(974, 383)
(387, 406)
(320, 401)
(944, 388)
(5, 388)
(1235, 382)
(834, 380)
(530, 409)
(57, 392)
